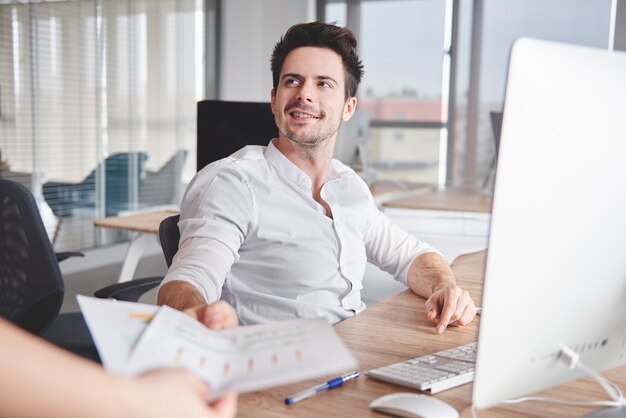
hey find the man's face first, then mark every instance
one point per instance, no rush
(309, 102)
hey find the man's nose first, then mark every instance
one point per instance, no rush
(306, 92)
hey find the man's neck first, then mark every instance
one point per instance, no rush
(314, 161)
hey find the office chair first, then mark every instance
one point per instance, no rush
(31, 292)
(63, 198)
(169, 235)
(31, 285)
(221, 133)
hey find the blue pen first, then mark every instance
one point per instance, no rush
(331, 384)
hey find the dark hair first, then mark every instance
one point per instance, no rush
(324, 35)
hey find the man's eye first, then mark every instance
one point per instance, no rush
(325, 85)
(292, 82)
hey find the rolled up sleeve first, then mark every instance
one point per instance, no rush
(391, 248)
(216, 214)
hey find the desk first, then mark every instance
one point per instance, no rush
(386, 191)
(395, 330)
(457, 199)
(146, 224)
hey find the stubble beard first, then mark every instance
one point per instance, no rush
(309, 140)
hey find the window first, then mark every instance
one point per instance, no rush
(403, 47)
(91, 85)
(581, 22)
(434, 69)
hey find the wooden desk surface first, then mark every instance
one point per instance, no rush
(393, 331)
(143, 222)
(460, 199)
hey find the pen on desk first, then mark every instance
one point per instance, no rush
(331, 384)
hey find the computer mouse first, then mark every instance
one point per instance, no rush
(413, 405)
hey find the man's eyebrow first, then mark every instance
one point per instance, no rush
(326, 77)
(300, 76)
(290, 75)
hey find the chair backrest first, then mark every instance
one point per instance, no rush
(64, 197)
(221, 131)
(169, 235)
(31, 285)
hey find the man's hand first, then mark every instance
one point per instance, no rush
(217, 316)
(185, 297)
(450, 306)
(431, 277)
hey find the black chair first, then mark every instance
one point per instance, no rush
(169, 235)
(220, 131)
(31, 285)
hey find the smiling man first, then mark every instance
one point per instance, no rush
(285, 231)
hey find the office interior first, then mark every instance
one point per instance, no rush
(98, 104)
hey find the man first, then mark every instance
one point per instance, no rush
(284, 231)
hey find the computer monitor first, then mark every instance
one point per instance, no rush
(496, 127)
(555, 273)
(351, 140)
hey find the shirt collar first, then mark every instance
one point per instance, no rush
(288, 169)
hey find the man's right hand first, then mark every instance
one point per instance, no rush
(185, 297)
(217, 316)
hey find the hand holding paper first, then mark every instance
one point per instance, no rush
(239, 359)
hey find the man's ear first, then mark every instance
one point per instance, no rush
(349, 108)
(273, 99)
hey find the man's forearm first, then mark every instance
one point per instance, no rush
(428, 273)
(179, 295)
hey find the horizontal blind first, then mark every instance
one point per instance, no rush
(99, 120)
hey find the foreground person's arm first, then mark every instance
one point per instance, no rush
(41, 380)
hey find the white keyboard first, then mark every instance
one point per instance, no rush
(433, 373)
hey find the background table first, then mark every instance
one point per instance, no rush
(146, 224)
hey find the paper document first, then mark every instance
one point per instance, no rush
(240, 359)
(115, 327)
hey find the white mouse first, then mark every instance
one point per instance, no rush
(413, 405)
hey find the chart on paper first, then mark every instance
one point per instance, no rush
(133, 338)
(248, 356)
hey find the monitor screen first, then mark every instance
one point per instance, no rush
(352, 135)
(496, 127)
(555, 273)
(226, 127)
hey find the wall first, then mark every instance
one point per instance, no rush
(249, 31)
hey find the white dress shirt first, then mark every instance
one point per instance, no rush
(252, 234)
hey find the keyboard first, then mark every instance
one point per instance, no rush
(432, 373)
